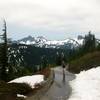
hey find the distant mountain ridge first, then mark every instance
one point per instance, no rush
(41, 41)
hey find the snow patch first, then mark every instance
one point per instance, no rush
(31, 80)
(23, 96)
(86, 86)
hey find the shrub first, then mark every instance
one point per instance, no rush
(9, 91)
(20, 88)
(6, 92)
(45, 72)
(85, 62)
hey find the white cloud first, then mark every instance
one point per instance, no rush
(52, 15)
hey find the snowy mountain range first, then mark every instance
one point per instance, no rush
(29, 50)
(43, 42)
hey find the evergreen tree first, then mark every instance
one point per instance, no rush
(89, 43)
(58, 58)
(44, 61)
(3, 54)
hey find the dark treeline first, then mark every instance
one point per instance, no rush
(90, 44)
(87, 55)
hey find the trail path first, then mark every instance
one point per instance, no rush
(60, 90)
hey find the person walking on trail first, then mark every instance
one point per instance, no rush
(63, 66)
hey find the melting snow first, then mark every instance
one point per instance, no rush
(19, 95)
(86, 86)
(31, 80)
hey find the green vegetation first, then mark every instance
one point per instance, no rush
(87, 56)
(3, 54)
(85, 62)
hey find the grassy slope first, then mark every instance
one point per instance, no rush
(85, 62)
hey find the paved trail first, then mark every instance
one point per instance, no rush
(59, 90)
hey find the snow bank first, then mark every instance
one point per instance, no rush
(31, 80)
(86, 86)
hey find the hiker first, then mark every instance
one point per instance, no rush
(63, 66)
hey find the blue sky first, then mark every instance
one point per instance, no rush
(53, 19)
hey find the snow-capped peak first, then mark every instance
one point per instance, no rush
(41, 41)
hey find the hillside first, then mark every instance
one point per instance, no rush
(85, 62)
(28, 55)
